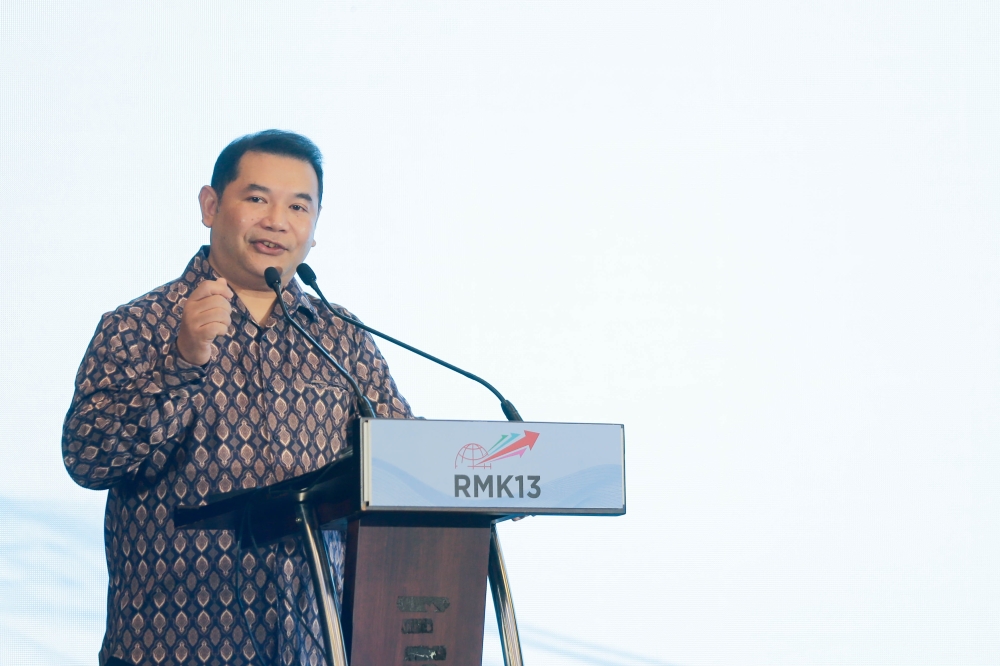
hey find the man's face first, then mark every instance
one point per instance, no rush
(266, 217)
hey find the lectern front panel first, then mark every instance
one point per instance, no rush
(495, 467)
(415, 590)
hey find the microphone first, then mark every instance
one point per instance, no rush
(273, 278)
(309, 277)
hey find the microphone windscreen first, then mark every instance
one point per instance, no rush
(306, 273)
(273, 278)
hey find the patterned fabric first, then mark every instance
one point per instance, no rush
(158, 432)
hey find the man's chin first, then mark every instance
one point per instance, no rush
(262, 263)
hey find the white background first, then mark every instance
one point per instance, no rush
(761, 235)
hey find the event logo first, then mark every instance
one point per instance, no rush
(475, 456)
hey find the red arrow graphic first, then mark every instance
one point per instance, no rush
(515, 449)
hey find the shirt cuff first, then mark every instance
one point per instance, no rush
(177, 372)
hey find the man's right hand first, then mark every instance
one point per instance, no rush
(207, 315)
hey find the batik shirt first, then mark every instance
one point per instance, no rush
(158, 432)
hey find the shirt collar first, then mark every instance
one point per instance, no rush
(199, 269)
(294, 297)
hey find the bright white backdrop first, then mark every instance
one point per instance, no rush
(762, 235)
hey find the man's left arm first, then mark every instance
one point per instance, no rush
(372, 373)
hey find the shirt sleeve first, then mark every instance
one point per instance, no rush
(372, 373)
(133, 404)
(378, 385)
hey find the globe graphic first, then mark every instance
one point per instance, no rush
(470, 454)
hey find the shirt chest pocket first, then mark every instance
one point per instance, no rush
(308, 424)
(328, 403)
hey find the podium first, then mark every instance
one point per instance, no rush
(420, 500)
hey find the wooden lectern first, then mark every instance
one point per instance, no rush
(420, 500)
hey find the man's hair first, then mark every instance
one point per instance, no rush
(271, 142)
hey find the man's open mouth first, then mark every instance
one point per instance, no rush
(267, 245)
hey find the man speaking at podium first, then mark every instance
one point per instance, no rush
(198, 388)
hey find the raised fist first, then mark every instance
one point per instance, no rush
(207, 314)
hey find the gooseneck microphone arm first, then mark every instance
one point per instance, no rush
(309, 277)
(273, 278)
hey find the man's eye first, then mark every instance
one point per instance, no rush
(255, 199)
(299, 207)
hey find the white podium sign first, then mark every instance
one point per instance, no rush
(510, 467)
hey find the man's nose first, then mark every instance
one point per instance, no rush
(276, 218)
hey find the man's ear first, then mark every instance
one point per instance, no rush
(209, 201)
